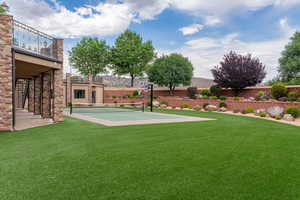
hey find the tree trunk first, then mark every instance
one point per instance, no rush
(132, 81)
(171, 89)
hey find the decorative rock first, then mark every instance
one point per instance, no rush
(211, 108)
(178, 108)
(275, 111)
(251, 99)
(169, 107)
(197, 108)
(155, 103)
(288, 117)
(163, 106)
(222, 109)
(258, 111)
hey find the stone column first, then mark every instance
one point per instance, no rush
(46, 99)
(58, 83)
(37, 95)
(31, 96)
(6, 70)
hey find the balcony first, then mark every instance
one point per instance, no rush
(32, 41)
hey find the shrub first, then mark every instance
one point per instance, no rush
(244, 112)
(191, 92)
(205, 92)
(279, 90)
(223, 98)
(236, 98)
(298, 100)
(214, 98)
(205, 105)
(114, 97)
(185, 105)
(215, 90)
(205, 97)
(293, 110)
(222, 104)
(263, 114)
(278, 117)
(261, 94)
(163, 103)
(249, 110)
(236, 110)
(136, 93)
(293, 96)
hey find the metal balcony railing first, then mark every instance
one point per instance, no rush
(33, 41)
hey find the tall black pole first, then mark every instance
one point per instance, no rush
(151, 97)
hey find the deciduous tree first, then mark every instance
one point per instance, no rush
(171, 71)
(90, 56)
(238, 71)
(130, 55)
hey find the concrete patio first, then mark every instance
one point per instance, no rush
(25, 120)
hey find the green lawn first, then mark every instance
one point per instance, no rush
(229, 158)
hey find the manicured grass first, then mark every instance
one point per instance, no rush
(230, 158)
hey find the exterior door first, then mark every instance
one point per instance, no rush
(93, 96)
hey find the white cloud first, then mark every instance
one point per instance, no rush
(191, 29)
(101, 20)
(207, 52)
(212, 20)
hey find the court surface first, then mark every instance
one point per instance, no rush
(123, 116)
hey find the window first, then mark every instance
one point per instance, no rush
(79, 94)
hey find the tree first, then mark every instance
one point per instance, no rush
(90, 56)
(171, 71)
(238, 71)
(130, 55)
(290, 60)
(2, 10)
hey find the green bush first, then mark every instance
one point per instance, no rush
(148, 103)
(278, 117)
(293, 96)
(279, 90)
(249, 110)
(298, 100)
(114, 97)
(223, 98)
(214, 98)
(222, 104)
(191, 92)
(205, 105)
(261, 94)
(205, 92)
(136, 93)
(236, 110)
(263, 114)
(205, 97)
(164, 103)
(236, 98)
(215, 90)
(293, 110)
(185, 105)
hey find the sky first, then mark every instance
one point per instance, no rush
(202, 30)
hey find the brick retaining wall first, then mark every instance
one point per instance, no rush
(231, 104)
(182, 92)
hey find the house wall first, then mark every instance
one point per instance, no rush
(6, 73)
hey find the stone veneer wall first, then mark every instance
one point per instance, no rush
(46, 78)
(58, 107)
(6, 94)
(31, 96)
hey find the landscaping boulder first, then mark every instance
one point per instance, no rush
(211, 108)
(169, 107)
(251, 99)
(155, 103)
(258, 111)
(275, 111)
(163, 106)
(288, 117)
(197, 107)
(222, 109)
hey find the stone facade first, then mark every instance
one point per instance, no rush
(45, 95)
(58, 108)
(6, 72)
